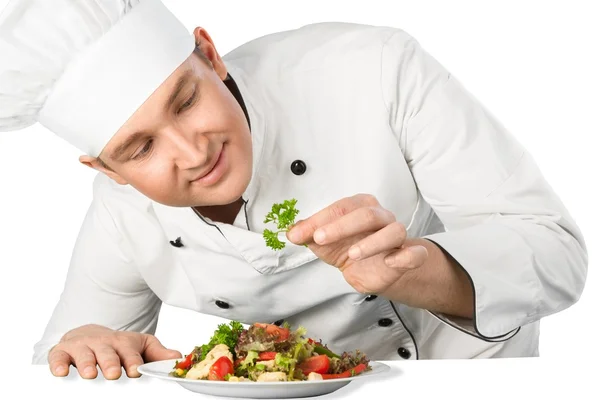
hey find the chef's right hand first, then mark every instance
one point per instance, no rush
(91, 345)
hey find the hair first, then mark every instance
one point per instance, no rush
(103, 164)
(198, 52)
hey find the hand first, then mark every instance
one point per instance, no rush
(89, 345)
(363, 240)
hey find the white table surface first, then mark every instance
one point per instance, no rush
(535, 378)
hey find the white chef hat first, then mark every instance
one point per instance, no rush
(81, 68)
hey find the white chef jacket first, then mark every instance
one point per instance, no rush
(363, 109)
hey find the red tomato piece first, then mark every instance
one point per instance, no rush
(346, 374)
(220, 368)
(282, 333)
(318, 364)
(185, 364)
(267, 355)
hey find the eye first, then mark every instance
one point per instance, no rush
(188, 103)
(145, 150)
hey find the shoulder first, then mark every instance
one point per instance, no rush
(324, 45)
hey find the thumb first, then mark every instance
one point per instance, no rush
(155, 351)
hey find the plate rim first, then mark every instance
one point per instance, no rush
(382, 365)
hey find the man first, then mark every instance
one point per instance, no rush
(429, 230)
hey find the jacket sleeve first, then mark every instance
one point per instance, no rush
(504, 225)
(102, 286)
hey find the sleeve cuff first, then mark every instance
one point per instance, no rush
(505, 288)
(469, 327)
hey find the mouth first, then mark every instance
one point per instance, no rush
(214, 171)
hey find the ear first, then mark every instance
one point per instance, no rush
(95, 163)
(207, 46)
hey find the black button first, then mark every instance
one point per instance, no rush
(221, 304)
(176, 243)
(370, 297)
(278, 322)
(385, 322)
(404, 353)
(298, 167)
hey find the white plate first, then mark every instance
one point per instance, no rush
(257, 390)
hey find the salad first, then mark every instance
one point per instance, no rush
(266, 353)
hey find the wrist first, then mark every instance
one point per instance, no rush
(439, 285)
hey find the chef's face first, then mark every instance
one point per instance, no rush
(189, 144)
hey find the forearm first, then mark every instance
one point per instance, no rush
(440, 285)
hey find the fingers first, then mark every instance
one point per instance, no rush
(108, 360)
(84, 359)
(59, 362)
(362, 220)
(303, 231)
(408, 257)
(392, 236)
(131, 360)
(89, 346)
(155, 351)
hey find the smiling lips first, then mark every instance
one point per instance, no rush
(215, 171)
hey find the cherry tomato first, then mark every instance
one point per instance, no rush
(282, 333)
(318, 364)
(267, 355)
(185, 364)
(220, 368)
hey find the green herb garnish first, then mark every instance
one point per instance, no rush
(284, 216)
(225, 334)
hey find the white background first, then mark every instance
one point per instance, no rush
(534, 64)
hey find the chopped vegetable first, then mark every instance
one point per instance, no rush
(221, 368)
(318, 364)
(225, 334)
(266, 352)
(187, 363)
(284, 216)
(281, 334)
(347, 361)
(346, 374)
(267, 355)
(249, 359)
(320, 349)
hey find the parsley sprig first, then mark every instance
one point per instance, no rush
(226, 334)
(284, 216)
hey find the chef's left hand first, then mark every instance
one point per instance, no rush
(362, 239)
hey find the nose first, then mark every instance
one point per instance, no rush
(190, 150)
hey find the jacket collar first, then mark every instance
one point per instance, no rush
(254, 104)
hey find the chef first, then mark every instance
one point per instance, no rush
(422, 229)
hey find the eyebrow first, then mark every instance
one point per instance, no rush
(119, 151)
(181, 82)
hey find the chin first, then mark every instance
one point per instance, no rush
(230, 192)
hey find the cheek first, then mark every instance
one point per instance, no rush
(223, 110)
(156, 181)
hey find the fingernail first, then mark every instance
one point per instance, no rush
(60, 370)
(293, 235)
(389, 261)
(354, 253)
(319, 236)
(113, 371)
(420, 251)
(133, 370)
(89, 371)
